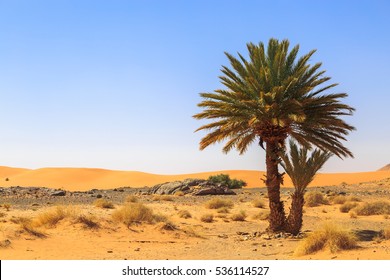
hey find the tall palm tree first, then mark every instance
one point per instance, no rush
(269, 97)
(302, 168)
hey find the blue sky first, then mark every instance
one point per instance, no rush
(114, 84)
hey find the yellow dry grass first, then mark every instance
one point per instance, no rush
(330, 236)
(217, 203)
(313, 199)
(52, 216)
(207, 218)
(373, 208)
(134, 213)
(103, 203)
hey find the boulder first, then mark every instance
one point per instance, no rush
(58, 193)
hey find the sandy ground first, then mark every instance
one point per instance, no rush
(189, 238)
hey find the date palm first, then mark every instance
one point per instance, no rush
(302, 168)
(267, 98)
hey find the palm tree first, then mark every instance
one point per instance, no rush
(301, 168)
(269, 97)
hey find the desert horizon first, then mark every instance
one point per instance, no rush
(83, 178)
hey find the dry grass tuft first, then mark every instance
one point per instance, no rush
(386, 233)
(53, 216)
(207, 218)
(258, 203)
(373, 208)
(5, 243)
(347, 206)
(179, 193)
(87, 221)
(239, 217)
(338, 199)
(185, 214)
(313, 199)
(261, 216)
(191, 232)
(217, 203)
(223, 210)
(168, 225)
(7, 206)
(354, 198)
(353, 215)
(329, 236)
(32, 230)
(134, 213)
(103, 203)
(131, 199)
(160, 197)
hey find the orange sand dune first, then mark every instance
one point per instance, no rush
(88, 178)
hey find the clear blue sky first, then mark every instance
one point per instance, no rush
(114, 84)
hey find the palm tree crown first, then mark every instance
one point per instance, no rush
(272, 96)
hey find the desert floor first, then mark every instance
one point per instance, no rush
(185, 238)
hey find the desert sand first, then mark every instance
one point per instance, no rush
(82, 179)
(178, 237)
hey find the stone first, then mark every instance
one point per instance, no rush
(58, 193)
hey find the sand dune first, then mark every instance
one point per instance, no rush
(88, 178)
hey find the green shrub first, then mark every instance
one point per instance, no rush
(225, 180)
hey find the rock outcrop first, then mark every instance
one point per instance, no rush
(195, 187)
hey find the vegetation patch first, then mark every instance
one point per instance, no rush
(185, 214)
(330, 237)
(338, 199)
(131, 199)
(161, 197)
(51, 217)
(225, 180)
(313, 199)
(264, 215)
(217, 203)
(239, 217)
(135, 213)
(32, 230)
(386, 233)
(103, 203)
(207, 218)
(258, 203)
(7, 206)
(87, 221)
(347, 206)
(373, 208)
(223, 210)
(179, 193)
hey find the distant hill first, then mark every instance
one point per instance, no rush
(385, 168)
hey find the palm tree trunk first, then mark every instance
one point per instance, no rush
(277, 218)
(294, 220)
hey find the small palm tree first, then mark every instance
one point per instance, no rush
(302, 168)
(269, 97)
